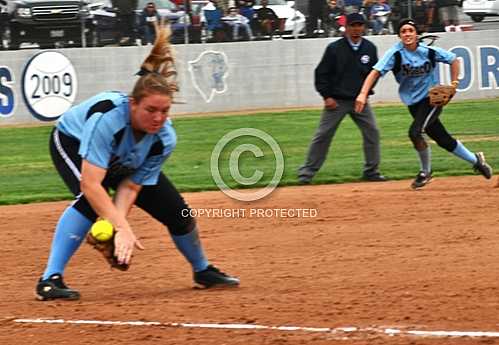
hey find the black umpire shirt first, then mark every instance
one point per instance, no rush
(342, 70)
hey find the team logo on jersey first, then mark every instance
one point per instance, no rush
(414, 71)
(49, 85)
(365, 59)
(208, 73)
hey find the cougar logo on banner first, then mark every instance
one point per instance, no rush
(208, 73)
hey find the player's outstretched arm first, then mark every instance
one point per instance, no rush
(454, 70)
(91, 179)
(361, 100)
(125, 197)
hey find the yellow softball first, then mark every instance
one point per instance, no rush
(102, 230)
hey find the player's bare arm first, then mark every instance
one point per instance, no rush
(454, 72)
(361, 100)
(124, 198)
(91, 179)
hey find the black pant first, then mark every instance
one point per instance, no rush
(162, 200)
(128, 25)
(426, 120)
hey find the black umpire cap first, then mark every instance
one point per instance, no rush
(353, 18)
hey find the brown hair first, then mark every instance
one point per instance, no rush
(158, 74)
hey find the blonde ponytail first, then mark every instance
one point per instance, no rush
(158, 73)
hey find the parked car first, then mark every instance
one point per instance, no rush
(179, 20)
(47, 23)
(479, 9)
(295, 21)
(103, 24)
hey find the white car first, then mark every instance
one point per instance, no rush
(295, 21)
(478, 9)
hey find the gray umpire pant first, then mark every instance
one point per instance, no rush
(330, 120)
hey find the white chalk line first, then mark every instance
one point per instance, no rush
(237, 326)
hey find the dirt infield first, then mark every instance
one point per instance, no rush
(375, 256)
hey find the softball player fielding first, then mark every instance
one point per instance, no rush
(413, 65)
(116, 141)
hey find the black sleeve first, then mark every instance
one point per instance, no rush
(258, 15)
(324, 72)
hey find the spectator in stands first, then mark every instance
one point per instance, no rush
(421, 16)
(236, 21)
(396, 14)
(211, 19)
(336, 6)
(317, 10)
(267, 20)
(448, 13)
(225, 4)
(379, 16)
(336, 18)
(367, 5)
(420, 11)
(126, 13)
(149, 19)
(434, 24)
(184, 5)
(246, 8)
(352, 6)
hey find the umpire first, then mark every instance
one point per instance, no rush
(338, 79)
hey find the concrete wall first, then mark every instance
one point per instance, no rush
(245, 75)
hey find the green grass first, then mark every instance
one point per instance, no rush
(27, 175)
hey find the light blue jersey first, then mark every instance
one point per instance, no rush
(416, 75)
(102, 125)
